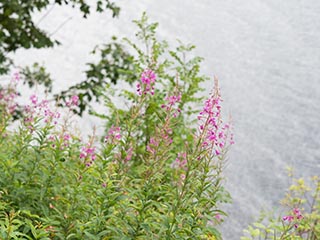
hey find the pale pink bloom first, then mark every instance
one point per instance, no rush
(66, 137)
(114, 134)
(173, 99)
(16, 77)
(34, 99)
(75, 100)
(218, 217)
(129, 154)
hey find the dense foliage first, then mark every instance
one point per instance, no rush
(153, 175)
(157, 170)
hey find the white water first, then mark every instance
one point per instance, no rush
(267, 57)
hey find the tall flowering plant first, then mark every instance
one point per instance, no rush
(170, 185)
(155, 174)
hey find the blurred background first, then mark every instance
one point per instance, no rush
(266, 55)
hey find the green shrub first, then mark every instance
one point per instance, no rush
(153, 176)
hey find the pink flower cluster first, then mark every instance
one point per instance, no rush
(88, 154)
(74, 101)
(172, 100)
(114, 135)
(129, 153)
(153, 145)
(40, 109)
(216, 133)
(16, 77)
(295, 216)
(148, 78)
(181, 161)
(64, 140)
(9, 94)
(7, 99)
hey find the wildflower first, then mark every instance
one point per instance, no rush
(214, 132)
(288, 218)
(40, 110)
(34, 99)
(181, 161)
(152, 146)
(148, 78)
(296, 216)
(297, 213)
(16, 77)
(74, 101)
(171, 101)
(88, 154)
(218, 217)
(129, 154)
(7, 98)
(182, 177)
(114, 135)
(66, 137)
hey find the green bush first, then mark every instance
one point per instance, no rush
(153, 175)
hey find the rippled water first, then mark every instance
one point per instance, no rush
(267, 57)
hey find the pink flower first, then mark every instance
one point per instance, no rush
(88, 153)
(296, 211)
(288, 218)
(218, 217)
(129, 154)
(40, 110)
(16, 77)
(173, 99)
(34, 99)
(114, 135)
(66, 137)
(215, 134)
(181, 161)
(74, 101)
(148, 78)
(182, 177)
(152, 146)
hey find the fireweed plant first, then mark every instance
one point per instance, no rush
(156, 174)
(297, 218)
(54, 186)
